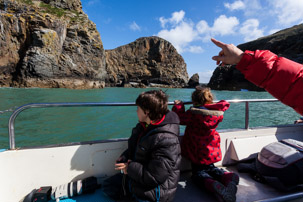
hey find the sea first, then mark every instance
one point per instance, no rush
(47, 126)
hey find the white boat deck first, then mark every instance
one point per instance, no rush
(248, 191)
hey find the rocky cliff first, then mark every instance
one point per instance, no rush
(148, 61)
(49, 43)
(287, 43)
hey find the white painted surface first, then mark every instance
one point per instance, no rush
(23, 170)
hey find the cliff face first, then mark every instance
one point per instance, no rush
(148, 61)
(53, 44)
(229, 78)
(287, 43)
(49, 43)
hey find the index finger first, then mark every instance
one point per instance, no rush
(218, 43)
(119, 164)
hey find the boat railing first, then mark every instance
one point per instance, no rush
(11, 123)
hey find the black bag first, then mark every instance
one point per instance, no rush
(280, 164)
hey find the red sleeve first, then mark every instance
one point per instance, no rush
(185, 117)
(279, 76)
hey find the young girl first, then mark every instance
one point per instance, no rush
(201, 143)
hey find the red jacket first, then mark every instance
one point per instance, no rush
(279, 76)
(201, 141)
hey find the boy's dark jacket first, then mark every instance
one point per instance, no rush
(156, 156)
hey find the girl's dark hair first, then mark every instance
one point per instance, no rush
(154, 102)
(202, 96)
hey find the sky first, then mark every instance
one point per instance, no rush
(189, 25)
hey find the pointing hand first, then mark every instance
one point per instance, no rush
(229, 54)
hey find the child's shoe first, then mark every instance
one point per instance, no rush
(230, 180)
(230, 177)
(222, 193)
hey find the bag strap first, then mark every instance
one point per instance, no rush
(299, 165)
(294, 144)
(275, 182)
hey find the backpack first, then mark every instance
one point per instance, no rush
(279, 164)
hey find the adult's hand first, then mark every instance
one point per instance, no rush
(229, 54)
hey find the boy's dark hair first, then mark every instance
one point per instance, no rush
(153, 101)
(202, 96)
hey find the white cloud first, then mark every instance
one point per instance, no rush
(180, 36)
(273, 31)
(288, 11)
(254, 8)
(224, 25)
(182, 32)
(250, 30)
(204, 77)
(237, 5)
(92, 2)
(176, 18)
(202, 27)
(134, 27)
(195, 49)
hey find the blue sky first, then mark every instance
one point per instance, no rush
(189, 25)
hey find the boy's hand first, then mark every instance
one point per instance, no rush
(122, 166)
(176, 102)
(121, 159)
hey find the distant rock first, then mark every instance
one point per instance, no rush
(148, 61)
(230, 78)
(49, 44)
(287, 43)
(193, 81)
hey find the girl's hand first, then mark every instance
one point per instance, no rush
(176, 102)
(298, 121)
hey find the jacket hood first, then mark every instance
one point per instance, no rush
(169, 124)
(170, 118)
(216, 109)
(222, 105)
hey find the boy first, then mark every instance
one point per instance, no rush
(153, 157)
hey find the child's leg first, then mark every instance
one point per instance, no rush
(205, 181)
(229, 179)
(223, 176)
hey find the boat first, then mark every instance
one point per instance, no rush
(28, 168)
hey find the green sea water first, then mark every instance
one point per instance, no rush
(44, 126)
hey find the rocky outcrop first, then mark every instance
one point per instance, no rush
(193, 81)
(229, 78)
(287, 43)
(49, 43)
(148, 61)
